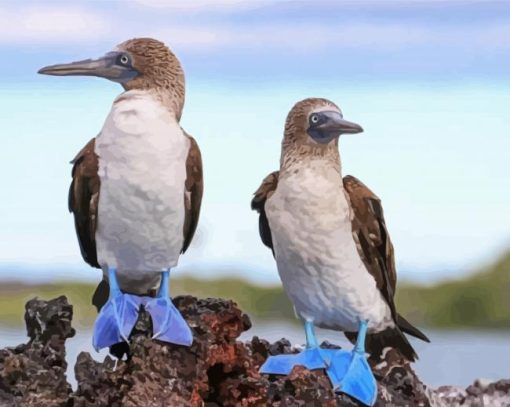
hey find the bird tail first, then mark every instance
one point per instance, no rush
(375, 343)
(390, 337)
(101, 295)
(405, 326)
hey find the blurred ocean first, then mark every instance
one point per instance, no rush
(452, 357)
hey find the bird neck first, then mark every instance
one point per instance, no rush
(168, 89)
(296, 154)
(172, 99)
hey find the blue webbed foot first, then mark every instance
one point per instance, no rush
(311, 358)
(350, 372)
(168, 325)
(116, 320)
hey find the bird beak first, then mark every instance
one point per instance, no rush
(104, 67)
(338, 124)
(347, 127)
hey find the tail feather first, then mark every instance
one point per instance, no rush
(406, 327)
(101, 295)
(391, 337)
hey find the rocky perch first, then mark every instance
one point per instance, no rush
(217, 370)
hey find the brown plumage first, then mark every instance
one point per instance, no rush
(296, 144)
(376, 250)
(83, 200)
(368, 225)
(194, 188)
(161, 71)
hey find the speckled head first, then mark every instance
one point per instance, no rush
(317, 122)
(139, 63)
(156, 66)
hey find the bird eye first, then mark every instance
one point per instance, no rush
(314, 118)
(124, 59)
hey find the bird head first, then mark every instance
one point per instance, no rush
(140, 63)
(316, 121)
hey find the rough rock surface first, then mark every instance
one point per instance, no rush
(34, 374)
(479, 394)
(217, 370)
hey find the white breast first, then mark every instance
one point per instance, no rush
(142, 155)
(317, 259)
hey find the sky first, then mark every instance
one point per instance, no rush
(429, 81)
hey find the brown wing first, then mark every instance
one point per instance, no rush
(371, 237)
(376, 250)
(194, 191)
(258, 202)
(83, 200)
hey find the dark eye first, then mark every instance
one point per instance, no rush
(314, 119)
(124, 59)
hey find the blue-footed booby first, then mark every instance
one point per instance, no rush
(332, 250)
(136, 190)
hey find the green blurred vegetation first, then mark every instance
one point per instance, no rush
(14, 295)
(480, 300)
(260, 302)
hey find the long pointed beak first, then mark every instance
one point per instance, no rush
(347, 127)
(338, 124)
(104, 67)
(87, 67)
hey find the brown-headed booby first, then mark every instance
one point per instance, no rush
(332, 250)
(136, 190)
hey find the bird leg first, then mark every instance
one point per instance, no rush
(168, 325)
(311, 339)
(117, 317)
(312, 357)
(350, 372)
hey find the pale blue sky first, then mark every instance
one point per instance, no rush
(428, 81)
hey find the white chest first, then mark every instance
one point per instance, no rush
(318, 262)
(142, 155)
